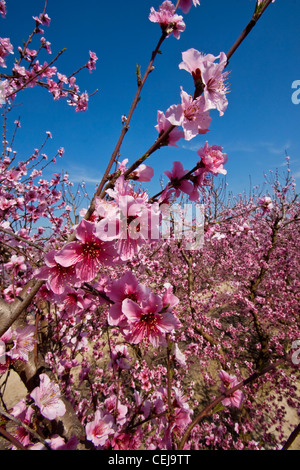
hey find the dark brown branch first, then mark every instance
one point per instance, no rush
(11, 439)
(9, 313)
(292, 438)
(22, 239)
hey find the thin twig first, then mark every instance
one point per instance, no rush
(247, 30)
(27, 428)
(11, 439)
(224, 395)
(37, 74)
(126, 124)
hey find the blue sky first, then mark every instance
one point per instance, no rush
(260, 125)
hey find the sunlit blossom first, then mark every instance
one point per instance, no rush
(47, 398)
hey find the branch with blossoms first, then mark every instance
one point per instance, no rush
(21, 425)
(261, 6)
(27, 71)
(100, 284)
(231, 394)
(192, 114)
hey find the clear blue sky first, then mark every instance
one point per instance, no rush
(260, 124)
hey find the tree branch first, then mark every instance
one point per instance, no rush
(221, 397)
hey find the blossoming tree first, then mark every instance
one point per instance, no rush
(126, 338)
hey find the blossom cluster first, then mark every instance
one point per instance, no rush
(129, 332)
(28, 72)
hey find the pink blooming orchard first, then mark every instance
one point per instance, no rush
(126, 339)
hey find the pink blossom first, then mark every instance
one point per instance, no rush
(17, 263)
(48, 71)
(210, 74)
(127, 441)
(54, 88)
(169, 299)
(213, 160)
(119, 359)
(46, 45)
(185, 5)
(99, 430)
(169, 21)
(107, 211)
(58, 277)
(177, 180)
(194, 62)
(6, 203)
(121, 188)
(163, 124)
(182, 410)
(3, 8)
(122, 166)
(121, 411)
(215, 89)
(11, 292)
(19, 70)
(147, 322)
(75, 301)
(228, 382)
(3, 91)
(79, 101)
(43, 19)
(127, 287)
(82, 102)
(179, 356)
(190, 115)
(265, 204)
(24, 341)
(57, 442)
(4, 359)
(47, 398)
(24, 414)
(91, 65)
(132, 222)
(143, 173)
(77, 343)
(134, 226)
(88, 254)
(179, 418)
(6, 48)
(61, 151)
(28, 54)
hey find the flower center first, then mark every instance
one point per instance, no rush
(98, 430)
(49, 398)
(150, 319)
(91, 249)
